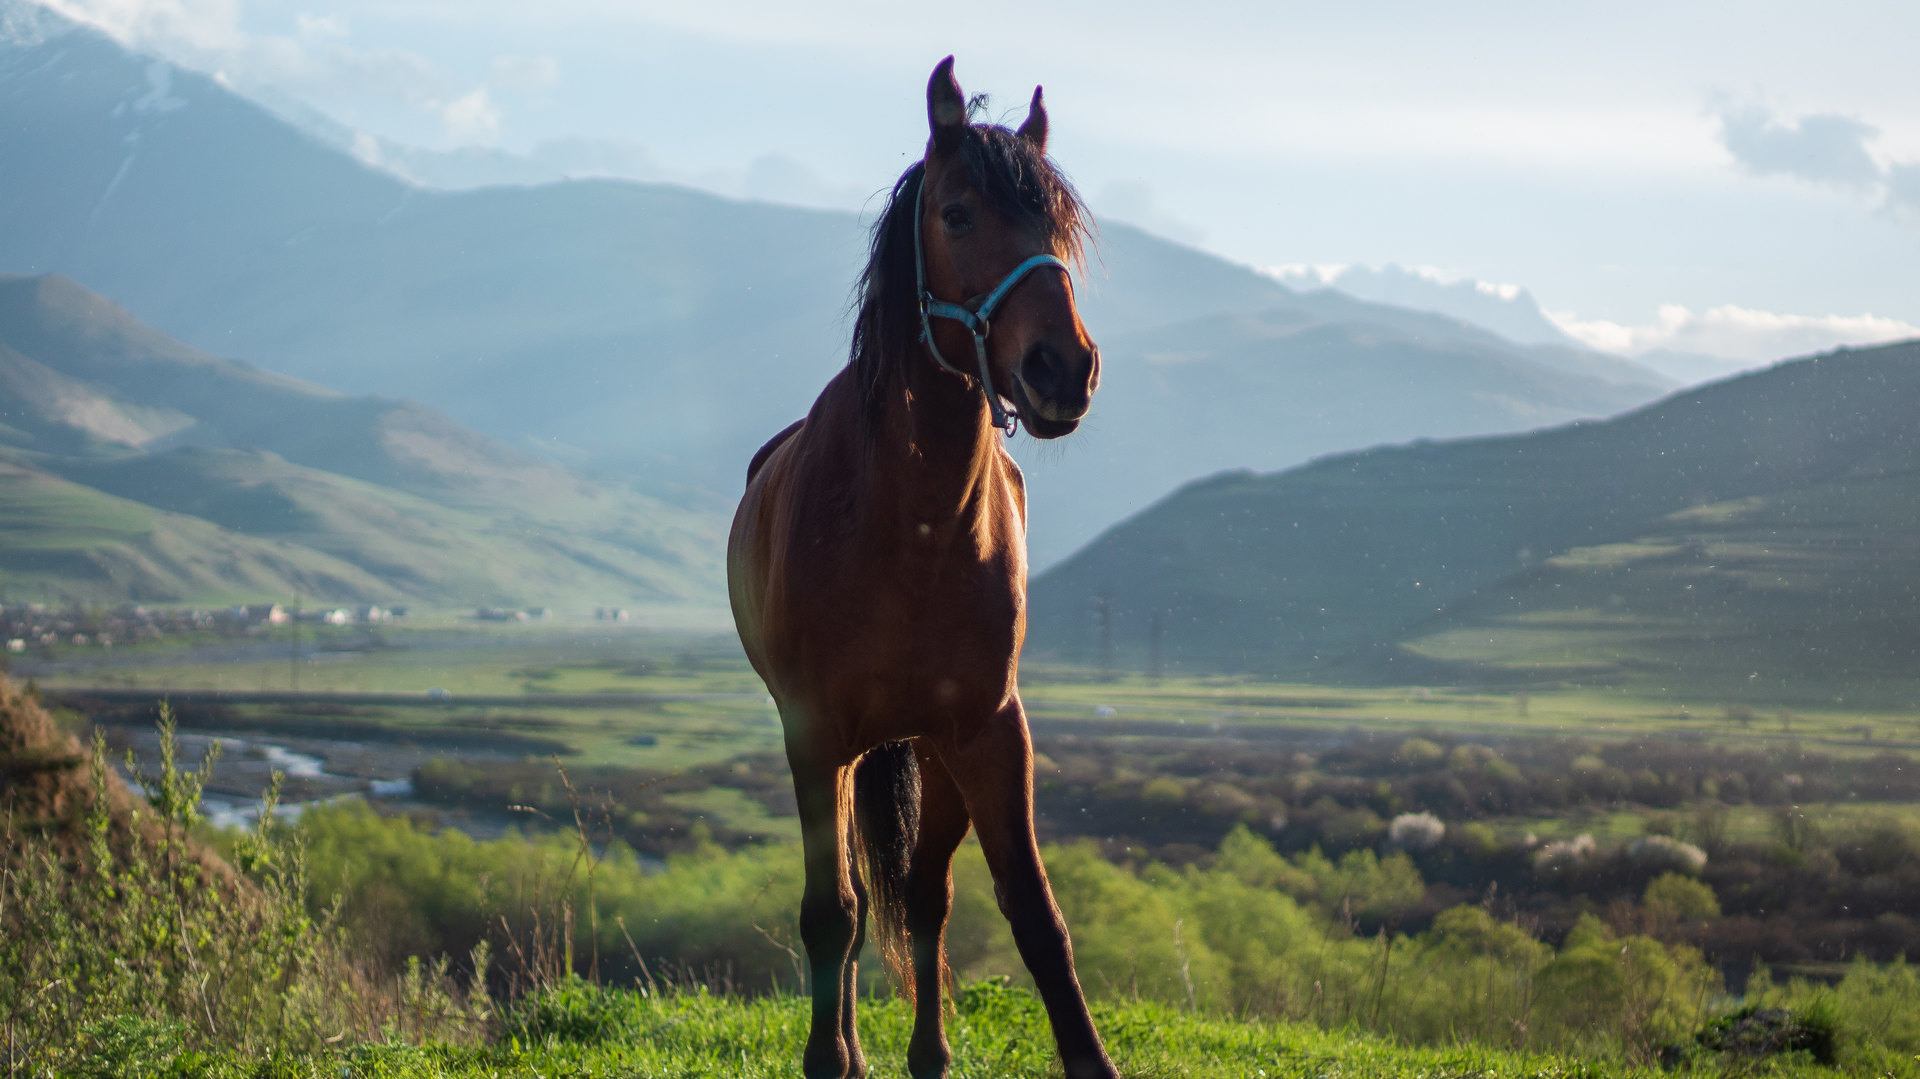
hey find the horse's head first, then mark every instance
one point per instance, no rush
(990, 201)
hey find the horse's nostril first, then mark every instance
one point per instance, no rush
(1040, 369)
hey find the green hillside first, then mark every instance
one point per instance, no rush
(62, 541)
(1271, 388)
(138, 468)
(1762, 532)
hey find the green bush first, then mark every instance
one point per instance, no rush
(1673, 897)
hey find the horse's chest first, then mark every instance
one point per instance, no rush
(886, 645)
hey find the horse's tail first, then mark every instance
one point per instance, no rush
(886, 810)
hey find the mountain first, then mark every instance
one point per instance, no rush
(134, 467)
(1754, 534)
(647, 331)
(1507, 310)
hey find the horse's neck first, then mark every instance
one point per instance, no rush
(936, 441)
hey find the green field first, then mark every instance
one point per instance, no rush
(677, 702)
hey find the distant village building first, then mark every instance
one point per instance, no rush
(610, 614)
(269, 614)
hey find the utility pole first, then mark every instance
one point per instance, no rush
(1104, 611)
(1155, 629)
(293, 665)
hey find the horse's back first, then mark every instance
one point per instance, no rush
(774, 443)
(750, 544)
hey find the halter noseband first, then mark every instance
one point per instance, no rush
(974, 314)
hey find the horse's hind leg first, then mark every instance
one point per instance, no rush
(850, 978)
(827, 912)
(994, 770)
(943, 824)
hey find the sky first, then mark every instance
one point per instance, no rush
(1741, 179)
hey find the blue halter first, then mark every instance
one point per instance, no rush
(974, 314)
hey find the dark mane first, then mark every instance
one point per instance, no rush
(1015, 180)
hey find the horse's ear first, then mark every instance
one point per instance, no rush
(946, 106)
(1035, 128)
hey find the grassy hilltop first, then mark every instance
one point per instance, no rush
(1757, 538)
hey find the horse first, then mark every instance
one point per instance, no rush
(877, 573)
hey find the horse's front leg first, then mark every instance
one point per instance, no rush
(994, 770)
(828, 911)
(943, 824)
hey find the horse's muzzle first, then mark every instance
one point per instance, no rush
(1053, 391)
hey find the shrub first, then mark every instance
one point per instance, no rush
(1564, 856)
(1416, 831)
(1419, 753)
(1666, 854)
(1633, 993)
(1674, 897)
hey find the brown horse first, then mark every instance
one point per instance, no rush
(877, 569)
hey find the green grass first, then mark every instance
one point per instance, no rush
(1069, 694)
(996, 1035)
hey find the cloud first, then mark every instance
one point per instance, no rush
(1821, 147)
(1734, 333)
(1903, 188)
(314, 61)
(471, 117)
(203, 25)
(319, 26)
(524, 74)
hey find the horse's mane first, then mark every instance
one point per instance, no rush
(1016, 181)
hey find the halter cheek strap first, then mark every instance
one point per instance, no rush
(975, 314)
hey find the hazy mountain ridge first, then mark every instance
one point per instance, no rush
(333, 496)
(1416, 551)
(1509, 311)
(660, 334)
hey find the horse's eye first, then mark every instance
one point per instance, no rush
(957, 218)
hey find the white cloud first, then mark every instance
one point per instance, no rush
(1331, 274)
(204, 25)
(524, 74)
(319, 26)
(1903, 189)
(1306, 275)
(314, 61)
(1734, 333)
(1822, 147)
(471, 117)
